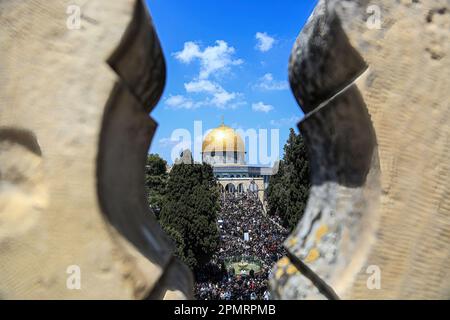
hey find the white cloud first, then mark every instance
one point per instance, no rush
(265, 42)
(180, 102)
(261, 107)
(190, 51)
(220, 99)
(202, 90)
(202, 86)
(212, 59)
(174, 101)
(236, 104)
(268, 83)
(218, 95)
(167, 142)
(283, 122)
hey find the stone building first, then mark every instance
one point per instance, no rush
(224, 149)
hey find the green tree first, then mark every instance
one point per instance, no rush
(277, 193)
(189, 213)
(155, 166)
(289, 188)
(156, 181)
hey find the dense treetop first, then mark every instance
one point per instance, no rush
(288, 190)
(186, 203)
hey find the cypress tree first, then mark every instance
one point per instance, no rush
(190, 212)
(289, 189)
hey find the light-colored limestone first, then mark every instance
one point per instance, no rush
(70, 126)
(246, 184)
(378, 109)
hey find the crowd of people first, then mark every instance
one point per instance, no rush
(245, 231)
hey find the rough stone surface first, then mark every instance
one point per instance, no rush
(74, 132)
(379, 143)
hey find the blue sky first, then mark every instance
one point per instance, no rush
(226, 58)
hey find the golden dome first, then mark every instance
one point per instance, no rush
(223, 138)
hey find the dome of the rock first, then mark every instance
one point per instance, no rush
(223, 138)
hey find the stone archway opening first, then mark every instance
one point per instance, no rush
(355, 210)
(253, 187)
(230, 187)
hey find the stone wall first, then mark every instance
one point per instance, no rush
(376, 125)
(245, 182)
(74, 133)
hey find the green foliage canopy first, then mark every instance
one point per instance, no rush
(189, 213)
(155, 182)
(288, 190)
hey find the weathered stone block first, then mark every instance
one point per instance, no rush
(74, 133)
(379, 148)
